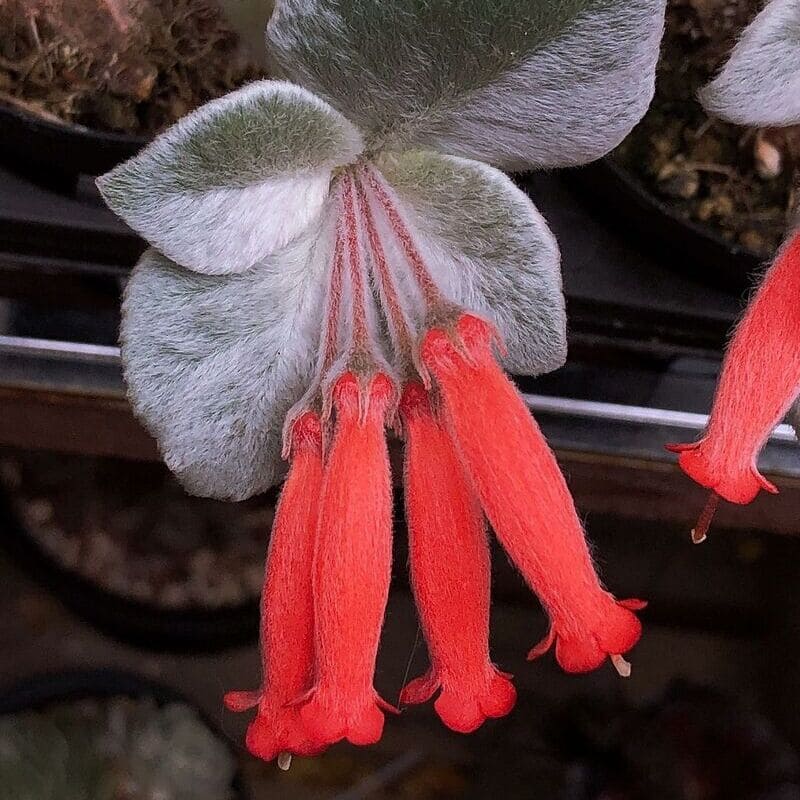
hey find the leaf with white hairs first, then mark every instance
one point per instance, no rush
(516, 83)
(488, 249)
(235, 180)
(213, 363)
(760, 84)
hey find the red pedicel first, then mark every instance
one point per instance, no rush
(352, 566)
(287, 637)
(527, 500)
(759, 382)
(450, 575)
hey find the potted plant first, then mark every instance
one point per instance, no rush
(122, 545)
(714, 196)
(340, 254)
(110, 734)
(84, 85)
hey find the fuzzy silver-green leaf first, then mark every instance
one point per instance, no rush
(488, 249)
(213, 363)
(515, 83)
(235, 180)
(760, 84)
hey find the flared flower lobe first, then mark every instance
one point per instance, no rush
(760, 380)
(352, 566)
(525, 497)
(450, 575)
(287, 637)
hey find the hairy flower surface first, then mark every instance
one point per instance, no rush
(450, 574)
(760, 379)
(759, 382)
(526, 499)
(352, 567)
(345, 248)
(287, 617)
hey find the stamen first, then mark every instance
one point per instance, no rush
(700, 531)
(284, 761)
(622, 666)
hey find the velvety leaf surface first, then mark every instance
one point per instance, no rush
(488, 248)
(760, 84)
(213, 363)
(235, 180)
(516, 83)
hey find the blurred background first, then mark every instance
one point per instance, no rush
(127, 607)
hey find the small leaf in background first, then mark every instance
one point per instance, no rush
(760, 85)
(110, 749)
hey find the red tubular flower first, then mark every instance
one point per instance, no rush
(527, 500)
(450, 575)
(287, 638)
(760, 380)
(352, 567)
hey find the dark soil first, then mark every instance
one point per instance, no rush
(739, 182)
(133, 66)
(132, 530)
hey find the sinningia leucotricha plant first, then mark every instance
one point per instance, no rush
(760, 379)
(340, 254)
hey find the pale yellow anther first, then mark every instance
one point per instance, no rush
(698, 538)
(622, 666)
(284, 761)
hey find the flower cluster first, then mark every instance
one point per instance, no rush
(472, 449)
(341, 260)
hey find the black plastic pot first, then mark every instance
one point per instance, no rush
(143, 624)
(693, 249)
(42, 691)
(57, 153)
